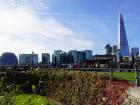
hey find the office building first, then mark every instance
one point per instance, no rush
(45, 58)
(87, 55)
(80, 57)
(108, 49)
(56, 56)
(63, 58)
(134, 51)
(28, 59)
(8, 59)
(73, 56)
(114, 50)
(122, 38)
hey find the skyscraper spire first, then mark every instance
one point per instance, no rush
(122, 38)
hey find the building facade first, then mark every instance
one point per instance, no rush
(45, 58)
(122, 38)
(28, 59)
(108, 49)
(114, 50)
(80, 57)
(88, 55)
(63, 58)
(8, 59)
(56, 56)
(134, 51)
(73, 56)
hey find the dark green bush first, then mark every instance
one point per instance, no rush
(68, 87)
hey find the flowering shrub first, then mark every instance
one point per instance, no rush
(72, 87)
(84, 88)
(114, 93)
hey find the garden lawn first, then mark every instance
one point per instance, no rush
(22, 99)
(130, 76)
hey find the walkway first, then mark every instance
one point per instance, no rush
(133, 96)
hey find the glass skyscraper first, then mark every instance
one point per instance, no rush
(74, 56)
(56, 56)
(45, 58)
(88, 55)
(123, 46)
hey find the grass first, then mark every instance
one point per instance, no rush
(23, 99)
(130, 76)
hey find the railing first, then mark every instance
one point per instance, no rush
(110, 71)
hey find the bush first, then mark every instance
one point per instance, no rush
(72, 87)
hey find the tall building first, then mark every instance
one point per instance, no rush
(73, 56)
(45, 58)
(28, 59)
(135, 51)
(56, 56)
(122, 38)
(87, 55)
(80, 57)
(63, 58)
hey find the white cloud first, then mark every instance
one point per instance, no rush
(23, 31)
(32, 4)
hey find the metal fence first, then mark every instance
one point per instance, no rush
(110, 71)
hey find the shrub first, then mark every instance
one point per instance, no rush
(71, 87)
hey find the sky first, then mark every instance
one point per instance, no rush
(46, 25)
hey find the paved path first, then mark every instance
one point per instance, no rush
(133, 96)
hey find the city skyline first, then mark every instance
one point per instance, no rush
(45, 25)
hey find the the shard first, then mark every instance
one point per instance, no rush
(123, 46)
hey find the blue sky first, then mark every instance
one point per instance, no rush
(44, 25)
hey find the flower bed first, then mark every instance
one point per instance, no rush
(73, 87)
(115, 92)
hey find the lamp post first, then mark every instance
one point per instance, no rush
(136, 74)
(110, 65)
